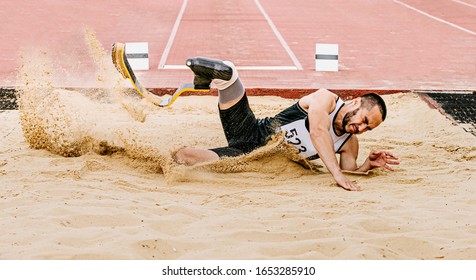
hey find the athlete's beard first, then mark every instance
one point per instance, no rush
(347, 118)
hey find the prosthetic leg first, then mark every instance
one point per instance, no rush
(122, 65)
(205, 70)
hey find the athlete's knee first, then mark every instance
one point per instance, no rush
(191, 156)
(224, 84)
(183, 156)
(231, 90)
(232, 93)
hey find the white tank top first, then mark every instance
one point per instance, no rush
(297, 134)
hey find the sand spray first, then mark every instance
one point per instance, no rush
(111, 119)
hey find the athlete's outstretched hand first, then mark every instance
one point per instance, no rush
(381, 158)
(345, 183)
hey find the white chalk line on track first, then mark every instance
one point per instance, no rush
(165, 54)
(252, 68)
(435, 18)
(279, 36)
(464, 3)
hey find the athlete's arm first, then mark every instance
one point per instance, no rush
(349, 153)
(376, 159)
(319, 105)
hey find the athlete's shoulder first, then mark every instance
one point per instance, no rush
(326, 93)
(321, 98)
(322, 93)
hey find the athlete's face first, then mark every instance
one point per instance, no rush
(361, 119)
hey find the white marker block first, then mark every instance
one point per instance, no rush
(138, 55)
(327, 57)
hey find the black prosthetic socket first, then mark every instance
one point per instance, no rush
(207, 69)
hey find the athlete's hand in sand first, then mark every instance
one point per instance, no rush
(345, 183)
(383, 159)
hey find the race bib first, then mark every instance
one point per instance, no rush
(297, 135)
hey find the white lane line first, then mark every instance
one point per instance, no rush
(253, 68)
(280, 37)
(166, 52)
(435, 18)
(464, 3)
(170, 42)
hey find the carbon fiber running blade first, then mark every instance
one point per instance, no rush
(123, 67)
(183, 88)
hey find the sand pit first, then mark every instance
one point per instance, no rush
(89, 175)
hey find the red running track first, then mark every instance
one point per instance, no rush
(384, 44)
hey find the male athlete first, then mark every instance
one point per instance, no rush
(318, 125)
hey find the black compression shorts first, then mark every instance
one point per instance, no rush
(243, 131)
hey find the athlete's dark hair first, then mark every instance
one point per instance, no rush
(369, 100)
